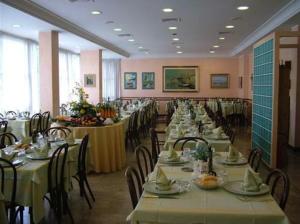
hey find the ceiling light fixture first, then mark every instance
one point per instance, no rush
(172, 28)
(179, 52)
(176, 39)
(243, 7)
(16, 25)
(167, 10)
(131, 40)
(212, 52)
(216, 46)
(117, 29)
(221, 38)
(229, 26)
(96, 12)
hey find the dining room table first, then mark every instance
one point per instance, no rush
(187, 202)
(32, 178)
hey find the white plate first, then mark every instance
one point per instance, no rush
(35, 157)
(235, 187)
(215, 137)
(151, 188)
(240, 161)
(168, 162)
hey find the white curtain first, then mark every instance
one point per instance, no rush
(19, 74)
(111, 78)
(69, 74)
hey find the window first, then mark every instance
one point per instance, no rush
(111, 78)
(69, 74)
(19, 74)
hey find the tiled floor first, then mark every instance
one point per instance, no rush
(113, 202)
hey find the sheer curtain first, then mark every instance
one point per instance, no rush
(111, 78)
(69, 74)
(19, 74)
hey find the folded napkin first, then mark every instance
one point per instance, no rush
(172, 154)
(233, 154)
(212, 125)
(218, 131)
(162, 182)
(252, 180)
(8, 156)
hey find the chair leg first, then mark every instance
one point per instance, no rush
(66, 206)
(88, 186)
(21, 209)
(31, 215)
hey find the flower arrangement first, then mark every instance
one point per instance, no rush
(201, 152)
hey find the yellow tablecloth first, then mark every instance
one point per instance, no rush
(106, 146)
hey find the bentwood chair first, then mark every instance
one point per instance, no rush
(44, 123)
(81, 176)
(155, 143)
(3, 126)
(144, 161)
(254, 159)
(10, 204)
(184, 140)
(7, 139)
(58, 131)
(35, 123)
(280, 186)
(134, 184)
(56, 186)
(11, 113)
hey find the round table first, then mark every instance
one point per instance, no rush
(106, 146)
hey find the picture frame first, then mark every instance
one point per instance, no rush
(148, 80)
(89, 80)
(180, 79)
(130, 80)
(219, 81)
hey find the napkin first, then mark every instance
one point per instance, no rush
(233, 154)
(252, 180)
(8, 156)
(218, 131)
(172, 154)
(162, 182)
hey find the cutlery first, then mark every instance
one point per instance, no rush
(160, 196)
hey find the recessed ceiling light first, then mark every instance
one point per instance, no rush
(179, 52)
(96, 12)
(229, 26)
(216, 46)
(243, 7)
(16, 25)
(176, 39)
(172, 28)
(167, 10)
(131, 40)
(212, 52)
(221, 38)
(140, 47)
(178, 46)
(117, 29)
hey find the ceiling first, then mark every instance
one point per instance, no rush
(198, 30)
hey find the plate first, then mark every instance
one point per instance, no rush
(235, 187)
(35, 157)
(240, 161)
(180, 162)
(151, 188)
(214, 137)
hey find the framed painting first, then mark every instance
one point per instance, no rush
(148, 80)
(130, 81)
(220, 81)
(180, 78)
(89, 80)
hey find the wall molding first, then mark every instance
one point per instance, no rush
(56, 20)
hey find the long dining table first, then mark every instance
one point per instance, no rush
(198, 206)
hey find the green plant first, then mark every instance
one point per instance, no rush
(201, 152)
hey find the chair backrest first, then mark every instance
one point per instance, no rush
(5, 167)
(144, 161)
(279, 184)
(185, 140)
(56, 169)
(254, 159)
(7, 138)
(44, 124)
(134, 184)
(58, 131)
(155, 145)
(82, 154)
(3, 126)
(35, 123)
(11, 112)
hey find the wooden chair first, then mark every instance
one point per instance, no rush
(7, 139)
(58, 131)
(280, 186)
(231, 134)
(56, 186)
(81, 176)
(155, 143)
(144, 161)
(35, 123)
(254, 159)
(3, 126)
(185, 140)
(44, 123)
(134, 184)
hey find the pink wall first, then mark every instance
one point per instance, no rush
(245, 71)
(206, 66)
